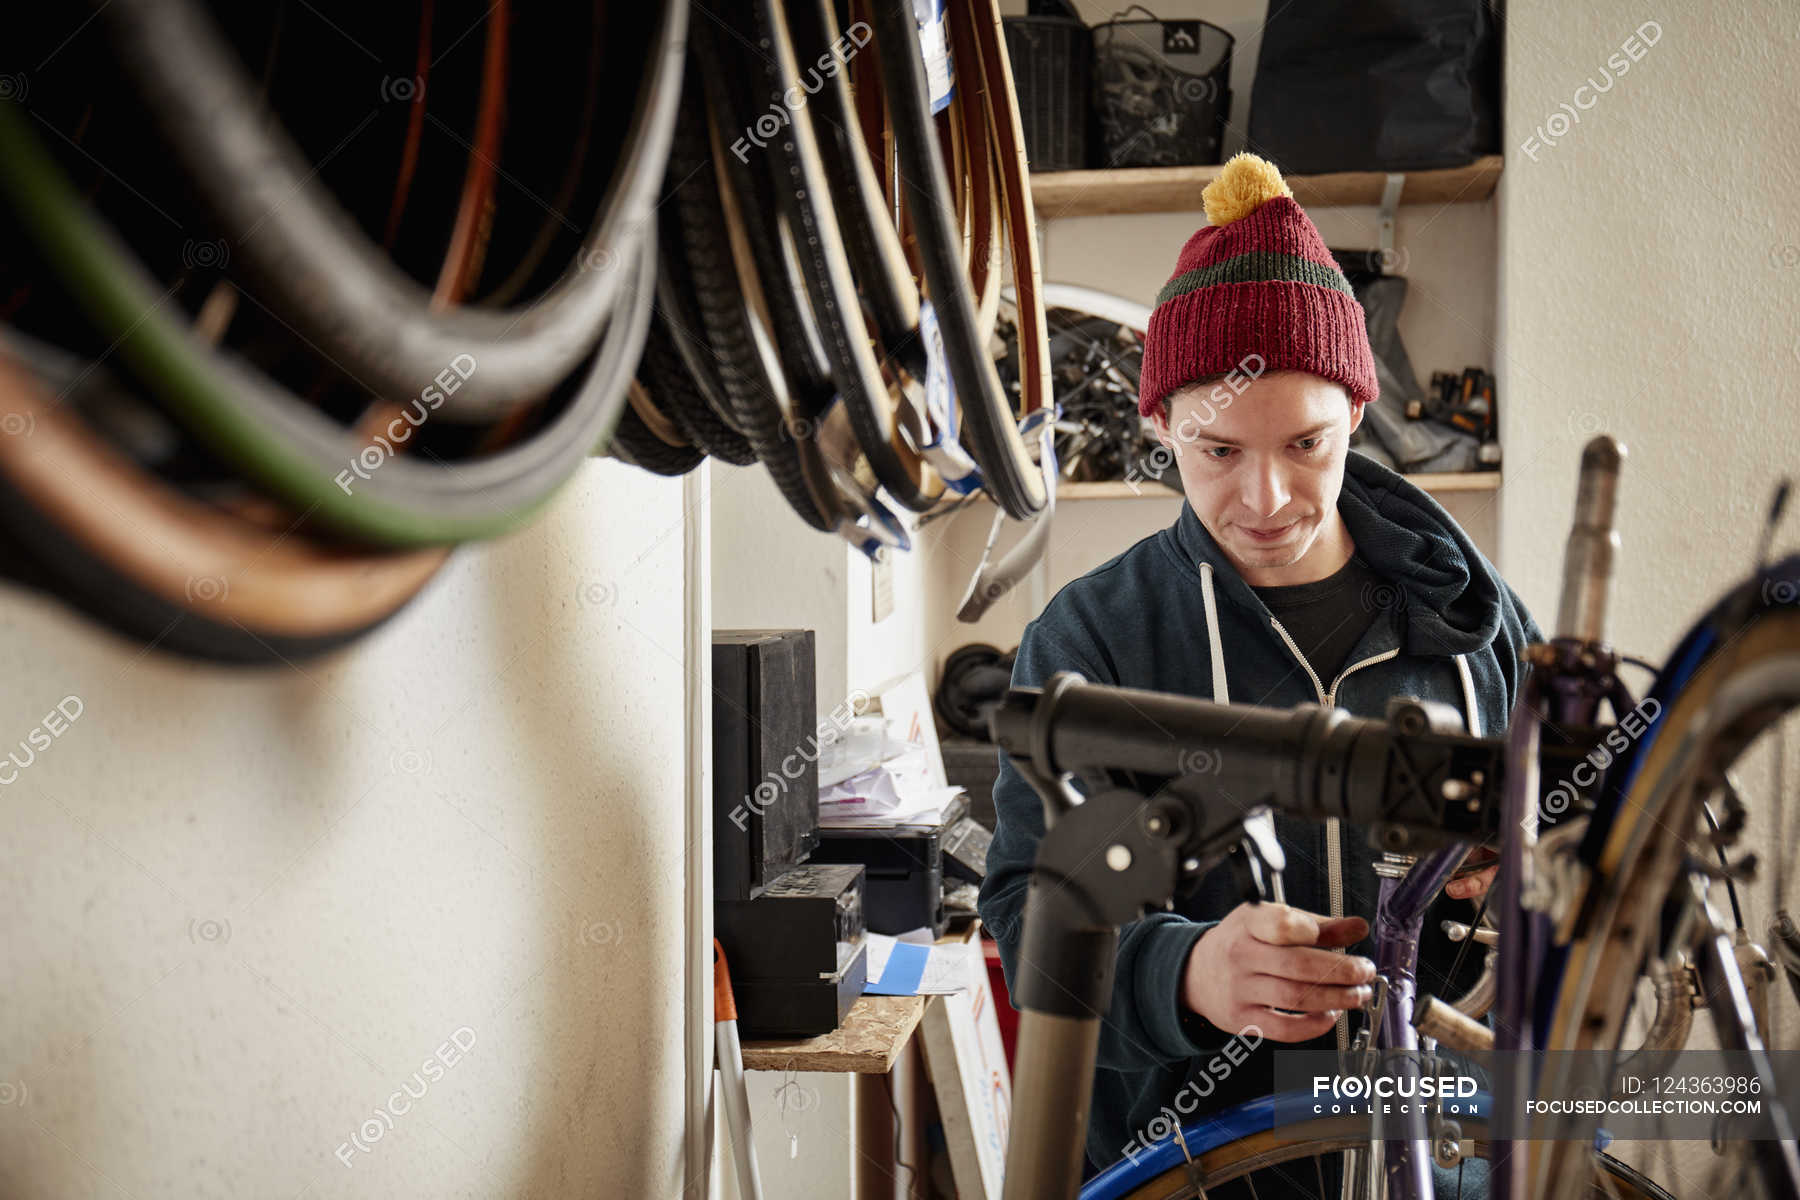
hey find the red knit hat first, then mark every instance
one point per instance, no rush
(1257, 280)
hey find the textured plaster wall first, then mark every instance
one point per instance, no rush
(242, 910)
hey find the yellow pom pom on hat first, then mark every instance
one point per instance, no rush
(1245, 184)
(1256, 281)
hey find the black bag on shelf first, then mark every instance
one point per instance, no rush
(1394, 85)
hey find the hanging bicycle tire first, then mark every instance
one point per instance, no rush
(989, 427)
(286, 446)
(721, 291)
(323, 276)
(652, 442)
(182, 575)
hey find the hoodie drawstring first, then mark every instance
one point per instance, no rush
(1221, 693)
(1468, 684)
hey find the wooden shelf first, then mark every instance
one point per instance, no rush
(868, 1042)
(1460, 481)
(1177, 189)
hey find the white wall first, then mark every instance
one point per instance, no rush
(771, 570)
(242, 909)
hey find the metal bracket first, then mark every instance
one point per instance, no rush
(1390, 201)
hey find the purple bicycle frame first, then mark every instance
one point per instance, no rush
(1399, 918)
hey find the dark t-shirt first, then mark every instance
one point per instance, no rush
(1326, 618)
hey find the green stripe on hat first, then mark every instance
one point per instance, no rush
(1257, 266)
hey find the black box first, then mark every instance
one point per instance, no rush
(765, 757)
(805, 924)
(904, 883)
(797, 953)
(796, 1008)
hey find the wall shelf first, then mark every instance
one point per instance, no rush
(1462, 481)
(1177, 189)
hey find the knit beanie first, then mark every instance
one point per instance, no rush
(1258, 281)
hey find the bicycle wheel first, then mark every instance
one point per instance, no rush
(1296, 1160)
(1734, 676)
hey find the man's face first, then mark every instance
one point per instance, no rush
(1263, 465)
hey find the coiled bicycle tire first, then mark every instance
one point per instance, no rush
(679, 312)
(724, 313)
(324, 277)
(870, 240)
(275, 439)
(678, 395)
(991, 435)
(184, 576)
(805, 199)
(798, 343)
(634, 442)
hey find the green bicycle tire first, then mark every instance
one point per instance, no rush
(285, 446)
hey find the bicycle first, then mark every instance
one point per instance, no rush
(1569, 906)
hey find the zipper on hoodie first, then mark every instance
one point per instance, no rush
(1334, 833)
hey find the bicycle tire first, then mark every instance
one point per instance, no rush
(870, 240)
(1237, 1158)
(799, 345)
(990, 432)
(751, 380)
(635, 443)
(679, 310)
(291, 450)
(473, 223)
(679, 396)
(806, 204)
(185, 576)
(831, 463)
(324, 277)
(574, 165)
(984, 235)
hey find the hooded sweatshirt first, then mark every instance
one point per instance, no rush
(1172, 614)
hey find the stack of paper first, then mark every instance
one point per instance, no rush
(903, 967)
(886, 769)
(897, 791)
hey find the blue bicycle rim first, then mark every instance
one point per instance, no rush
(1261, 1115)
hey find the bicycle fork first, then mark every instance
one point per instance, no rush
(1401, 1149)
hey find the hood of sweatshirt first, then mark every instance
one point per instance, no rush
(1453, 595)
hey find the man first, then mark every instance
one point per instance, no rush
(1297, 573)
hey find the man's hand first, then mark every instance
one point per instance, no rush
(1268, 956)
(1475, 885)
